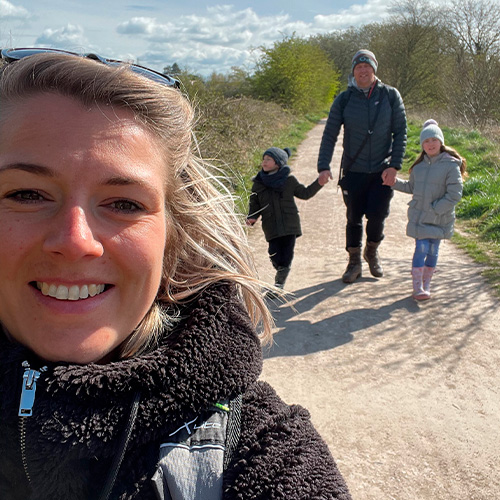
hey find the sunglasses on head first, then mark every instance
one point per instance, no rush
(12, 55)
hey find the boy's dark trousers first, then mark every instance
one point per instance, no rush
(281, 250)
(281, 255)
(365, 195)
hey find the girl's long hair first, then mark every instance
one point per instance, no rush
(206, 242)
(451, 152)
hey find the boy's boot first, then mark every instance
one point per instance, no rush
(418, 289)
(279, 281)
(426, 279)
(281, 276)
(370, 254)
(353, 270)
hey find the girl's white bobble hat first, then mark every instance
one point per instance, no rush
(431, 130)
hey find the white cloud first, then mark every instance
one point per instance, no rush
(216, 39)
(10, 12)
(355, 15)
(137, 26)
(68, 37)
(221, 39)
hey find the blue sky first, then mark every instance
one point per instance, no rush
(200, 36)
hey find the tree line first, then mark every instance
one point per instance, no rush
(441, 59)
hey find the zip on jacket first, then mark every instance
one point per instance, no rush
(28, 393)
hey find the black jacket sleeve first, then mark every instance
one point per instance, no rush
(399, 134)
(280, 455)
(254, 208)
(305, 192)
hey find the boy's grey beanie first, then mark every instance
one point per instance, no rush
(280, 156)
(429, 130)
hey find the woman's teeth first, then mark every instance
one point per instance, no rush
(73, 292)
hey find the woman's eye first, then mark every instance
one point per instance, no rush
(126, 206)
(26, 196)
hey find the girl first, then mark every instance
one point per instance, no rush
(436, 185)
(273, 193)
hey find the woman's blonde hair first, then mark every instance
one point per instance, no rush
(206, 242)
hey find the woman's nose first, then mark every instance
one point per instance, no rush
(72, 236)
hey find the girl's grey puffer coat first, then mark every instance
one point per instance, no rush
(436, 185)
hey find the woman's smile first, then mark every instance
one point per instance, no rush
(70, 292)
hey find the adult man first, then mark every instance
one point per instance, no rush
(374, 121)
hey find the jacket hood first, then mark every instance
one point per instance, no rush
(443, 157)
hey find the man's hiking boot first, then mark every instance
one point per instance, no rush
(353, 271)
(370, 254)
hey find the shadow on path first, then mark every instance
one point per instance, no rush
(298, 337)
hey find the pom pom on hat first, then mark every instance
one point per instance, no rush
(431, 121)
(431, 130)
(280, 156)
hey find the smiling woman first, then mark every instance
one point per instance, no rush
(128, 304)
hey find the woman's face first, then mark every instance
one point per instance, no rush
(83, 225)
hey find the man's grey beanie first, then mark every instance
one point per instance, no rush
(280, 156)
(365, 56)
(429, 130)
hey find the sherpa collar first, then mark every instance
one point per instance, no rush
(213, 354)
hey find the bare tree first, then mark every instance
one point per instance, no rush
(408, 48)
(474, 36)
(476, 24)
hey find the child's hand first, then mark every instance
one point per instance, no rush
(324, 177)
(250, 222)
(389, 176)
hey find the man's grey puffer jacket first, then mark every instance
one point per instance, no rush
(436, 185)
(384, 148)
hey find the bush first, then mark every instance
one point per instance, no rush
(296, 74)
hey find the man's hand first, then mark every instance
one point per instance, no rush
(251, 222)
(324, 176)
(389, 176)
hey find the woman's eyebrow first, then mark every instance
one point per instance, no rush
(119, 180)
(32, 168)
(28, 167)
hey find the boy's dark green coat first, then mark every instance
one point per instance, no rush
(280, 215)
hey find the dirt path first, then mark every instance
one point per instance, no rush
(406, 394)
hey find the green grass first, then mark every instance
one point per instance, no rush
(478, 213)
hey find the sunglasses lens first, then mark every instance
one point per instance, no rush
(11, 55)
(153, 75)
(146, 73)
(16, 54)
